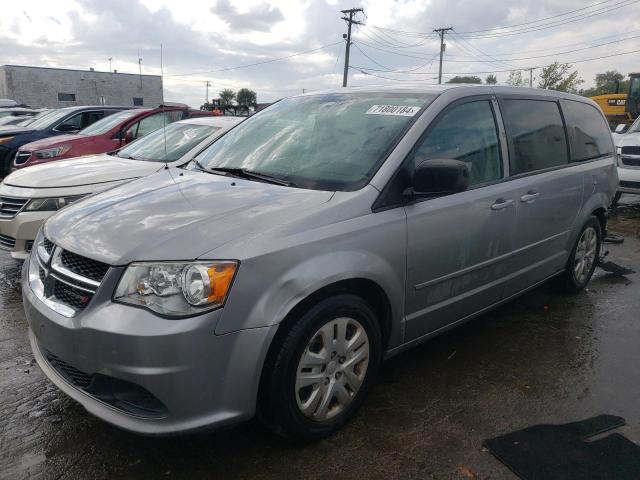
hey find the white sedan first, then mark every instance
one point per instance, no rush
(31, 195)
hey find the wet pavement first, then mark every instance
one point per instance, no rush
(544, 358)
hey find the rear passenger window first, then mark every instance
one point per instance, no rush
(591, 136)
(468, 133)
(537, 133)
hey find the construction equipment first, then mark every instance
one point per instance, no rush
(621, 108)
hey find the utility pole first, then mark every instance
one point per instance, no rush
(530, 77)
(350, 21)
(110, 58)
(441, 32)
(206, 95)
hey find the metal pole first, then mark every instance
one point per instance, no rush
(350, 21)
(441, 31)
(531, 77)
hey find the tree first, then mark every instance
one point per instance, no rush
(516, 79)
(608, 82)
(558, 76)
(227, 96)
(466, 79)
(491, 79)
(246, 97)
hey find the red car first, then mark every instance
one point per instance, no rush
(103, 136)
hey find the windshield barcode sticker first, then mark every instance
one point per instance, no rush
(402, 110)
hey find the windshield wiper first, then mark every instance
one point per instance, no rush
(248, 174)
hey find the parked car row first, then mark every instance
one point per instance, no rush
(48, 137)
(295, 250)
(29, 196)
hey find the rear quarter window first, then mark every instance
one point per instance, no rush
(589, 133)
(536, 134)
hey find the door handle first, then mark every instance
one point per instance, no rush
(529, 197)
(501, 204)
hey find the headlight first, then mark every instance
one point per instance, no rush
(176, 288)
(5, 140)
(52, 152)
(619, 150)
(50, 204)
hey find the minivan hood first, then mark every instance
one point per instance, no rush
(75, 172)
(175, 214)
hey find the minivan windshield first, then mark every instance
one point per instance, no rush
(107, 123)
(331, 141)
(167, 144)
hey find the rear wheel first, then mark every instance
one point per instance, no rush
(584, 257)
(323, 368)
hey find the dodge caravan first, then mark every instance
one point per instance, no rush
(318, 237)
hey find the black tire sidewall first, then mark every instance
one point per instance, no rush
(284, 414)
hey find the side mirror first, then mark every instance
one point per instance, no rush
(437, 177)
(67, 127)
(621, 128)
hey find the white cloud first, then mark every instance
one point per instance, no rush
(205, 36)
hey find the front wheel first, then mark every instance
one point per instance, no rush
(323, 368)
(584, 257)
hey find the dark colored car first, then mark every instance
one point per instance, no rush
(105, 135)
(57, 122)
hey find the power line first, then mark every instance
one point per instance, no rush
(534, 28)
(391, 70)
(539, 20)
(518, 68)
(365, 72)
(256, 63)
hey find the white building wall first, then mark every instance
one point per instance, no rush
(39, 87)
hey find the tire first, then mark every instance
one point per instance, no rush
(572, 280)
(284, 392)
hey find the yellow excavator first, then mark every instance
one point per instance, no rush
(621, 108)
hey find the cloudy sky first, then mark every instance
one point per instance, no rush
(221, 40)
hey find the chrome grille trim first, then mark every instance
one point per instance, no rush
(21, 157)
(61, 289)
(11, 206)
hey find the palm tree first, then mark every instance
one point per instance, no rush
(227, 96)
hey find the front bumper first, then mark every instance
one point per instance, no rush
(202, 379)
(629, 180)
(22, 230)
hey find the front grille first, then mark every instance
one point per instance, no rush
(11, 206)
(632, 162)
(627, 184)
(66, 280)
(84, 266)
(22, 156)
(630, 150)
(70, 295)
(48, 245)
(71, 374)
(7, 242)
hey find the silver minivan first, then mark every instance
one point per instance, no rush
(320, 236)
